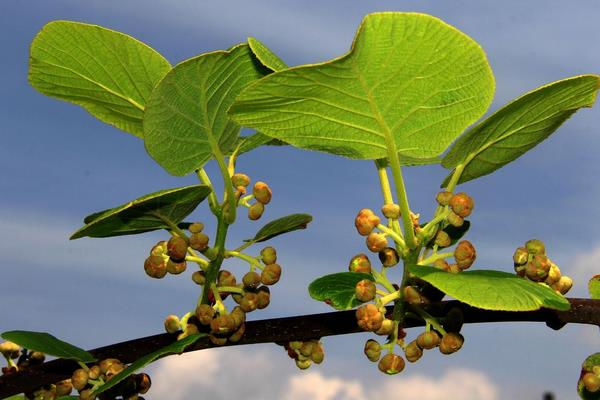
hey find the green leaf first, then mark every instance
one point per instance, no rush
(338, 289)
(145, 214)
(248, 143)
(265, 55)
(186, 121)
(280, 226)
(594, 287)
(174, 348)
(17, 397)
(492, 290)
(409, 79)
(519, 126)
(108, 73)
(48, 344)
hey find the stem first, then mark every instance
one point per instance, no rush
(456, 176)
(439, 216)
(429, 320)
(213, 202)
(383, 280)
(390, 297)
(249, 259)
(386, 190)
(407, 224)
(230, 289)
(390, 232)
(215, 265)
(229, 196)
(220, 307)
(435, 257)
(200, 261)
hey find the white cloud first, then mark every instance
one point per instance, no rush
(581, 269)
(228, 373)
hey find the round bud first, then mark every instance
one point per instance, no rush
(268, 255)
(264, 297)
(87, 394)
(372, 350)
(196, 227)
(366, 221)
(172, 323)
(94, 372)
(176, 268)
(226, 278)
(441, 264)
(591, 382)
(307, 348)
(368, 317)
(303, 364)
(262, 192)
(365, 290)
(249, 302)
(428, 340)
(222, 325)
(114, 369)
(389, 257)
(10, 349)
(217, 341)
(443, 198)
(238, 315)
(538, 268)
(553, 274)
(251, 280)
(177, 248)
(63, 388)
(442, 239)
(270, 274)
(391, 211)
(79, 379)
(106, 363)
(159, 249)
(454, 269)
(237, 335)
(464, 254)
(36, 358)
(205, 313)
(376, 242)
(142, 383)
(413, 352)
(240, 180)
(199, 277)
(360, 263)
(412, 295)
(199, 241)
(455, 220)
(318, 354)
(563, 285)
(391, 364)
(255, 211)
(451, 342)
(461, 204)
(155, 267)
(295, 345)
(387, 327)
(521, 256)
(535, 246)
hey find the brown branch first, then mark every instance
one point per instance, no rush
(279, 330)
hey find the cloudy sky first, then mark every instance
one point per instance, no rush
(58, 164)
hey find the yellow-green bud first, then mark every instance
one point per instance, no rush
(268, 255)
(428, 340)
(391, 364)
(79, 379)
(303, 364)
(376, 242)
(442, 239)
(199, 277)
(205, 313)
(199, 241)
(591, 382)
(365, 290)
(391, 211)
(262, 192)
(413, 352)
(389, 257)
(155, 267)
(443, 198)
(360, 263)
(535, 246)
(387, 327)
(172, 323)
(368, 317)
(10, 349)
(251, 279)
(270, 274)
(366, 221)
(521, 256)
(239, 179)
(464, 254)
(451, 342)
(372, 350)
(196, 227)
(455, 220)
(255, 211)
(461, 204)
(176, 268)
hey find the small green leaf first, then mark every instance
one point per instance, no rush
(48, 344)
(492, 290)
(280, 226)
(265, 55)
(248, 143)
(594, 287)
(174, 348)
(409, 79)
(108, 73)
(519, 126)
(145, 214)
(338, 289)
(18, 397)
(186, 121)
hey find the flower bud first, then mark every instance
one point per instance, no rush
(238, 315)
(94, 372)
(365, 290)
(387, 327)
(453, 269)
(535, 246)
(441, 264)
(412, 295)
(176, 268)
(199, 277)
(443, 198)
(172, 323)
(249, 302)
(521, 256)
(455, 220)
(413, 352)
(303, 364)
(262, 192)
(428, 340)
(591, 382)
(553, 274)
(10, 349)
(226, 278)
(537, 269)
(376, 242)
(159, 248)
(106, 363)
(142, 383)
(237, 335)
(155, 267)
(307, 348)
(64, 387)
(270, 274)
(205, 313)
(389, 257)
(461, 204)
(268, 255)
(79, 379)
(464, 254)
(372, 350)
(563, 285)
(177, 248)
(216, 340)
(240, 180)
(391, 211)
(251, 280)
(360, 263)
(442, 239)
(255, 211)
(114, 369)
(318, 354)
(87, 394)
(451, 342)
(368, 317)
(36, 358)
(391, 364)
(222, 325)
(199, 241)
(196, 227)
(264, 297)
(366, 221)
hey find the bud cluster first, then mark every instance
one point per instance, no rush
(25, 359)
(306, 353)
(261, 192)
(531, 262)
(590, 379)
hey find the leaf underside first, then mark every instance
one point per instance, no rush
(280, 226)
(265, 55)
(48, 344)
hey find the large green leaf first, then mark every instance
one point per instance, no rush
(174, 348)
(519, 126)
(492, 290)
(280, 226)
(265, 55)
(410, 82)
(147, 213)
(338, 290)
(594, 287)
(108, 73)
(248, 143)
(48, 344)
(186, 119)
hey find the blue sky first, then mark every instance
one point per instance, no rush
(58, 164)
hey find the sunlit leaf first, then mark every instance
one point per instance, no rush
(338, 290)
(48, 344)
